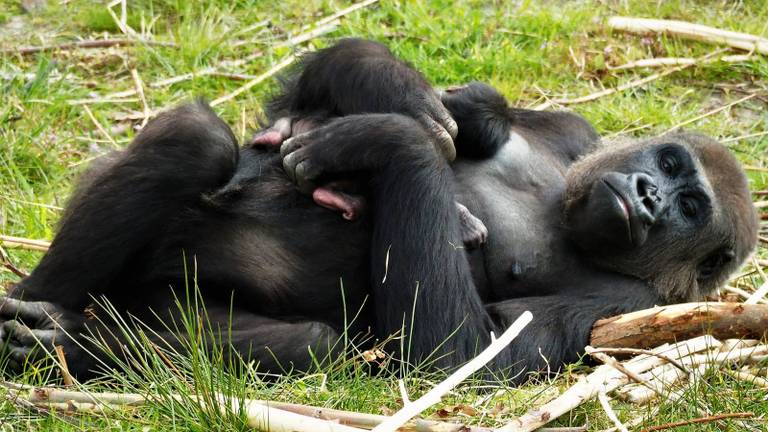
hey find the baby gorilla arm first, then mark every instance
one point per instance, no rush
(336, 195)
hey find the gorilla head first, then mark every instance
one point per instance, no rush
(674, 211)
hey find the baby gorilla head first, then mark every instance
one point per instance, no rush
(675, 211)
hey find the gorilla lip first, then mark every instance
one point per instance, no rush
(624, 208)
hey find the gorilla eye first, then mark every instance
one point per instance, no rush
(712, 263)
(689, 206)
(668, 163)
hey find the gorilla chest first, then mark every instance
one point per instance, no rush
(518, 196)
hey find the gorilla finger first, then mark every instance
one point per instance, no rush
(305, 174)
(443, 139)
(11, 308)
(291, 145)
(290, 162)
(441, 115)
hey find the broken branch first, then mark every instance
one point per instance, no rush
(655, 326)
(688, 30)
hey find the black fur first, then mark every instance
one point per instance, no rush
(253, 239)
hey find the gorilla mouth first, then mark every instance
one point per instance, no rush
(624, 208)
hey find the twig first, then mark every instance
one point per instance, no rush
(345, 12)
(65, 375)
(748, 377)
(603, 398)
(314, 33)
(435, 394)
(140, 90)
(699, 420)
(117, 96)
(625, 86)
(604, 378)
(250, 84)
(6, 261)
(634, 376)
(655, 62)
(714, 111)
(637, 351)
(758, 295)
(99, 126)
(23, 243)
(741, 293)
(688, 30)
(663, 376)
(101, 43)
(742, 137)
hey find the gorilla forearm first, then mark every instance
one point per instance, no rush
(561, 325)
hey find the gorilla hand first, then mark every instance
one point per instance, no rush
(428, 110)
(30, 330)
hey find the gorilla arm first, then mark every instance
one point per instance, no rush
(562, 323)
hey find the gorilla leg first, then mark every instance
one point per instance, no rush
(179, 156)
(277, 346)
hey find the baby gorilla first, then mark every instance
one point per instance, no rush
(344, 196)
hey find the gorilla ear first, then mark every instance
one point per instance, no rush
(710, 266)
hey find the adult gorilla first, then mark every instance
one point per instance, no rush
(577, 231)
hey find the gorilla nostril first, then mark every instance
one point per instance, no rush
(648, 194)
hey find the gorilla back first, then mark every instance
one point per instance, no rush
(577, 230)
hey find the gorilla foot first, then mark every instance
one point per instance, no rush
(350, 206)
(473, 230)
(30, 330)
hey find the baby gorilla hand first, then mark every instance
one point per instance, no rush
(30, 330)
(353, 143)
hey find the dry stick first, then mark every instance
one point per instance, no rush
(714, 111)
(664, 375)
(117, 96)
(99, 126)
(655, 62)
(699, 420)
(625, 86)
(24, 243)
(637, 351)
(102, 43)
(603, 398)
(345, 12)
(6, 261)
(634, 376)
(760, 204)
(140, 89)
(748, 377)
(688, 30)
(303, 37)
(272, 71)
(675, 61)
(54, 397)
(604, 378)
(758, 295)
(433, 396)
(743, 137)
(652, 327)
(266, 418)
(65, 375)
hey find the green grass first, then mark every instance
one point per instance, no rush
(526, 49)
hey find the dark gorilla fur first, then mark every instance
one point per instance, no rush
(578, 230)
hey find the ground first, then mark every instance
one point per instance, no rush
(530, 51)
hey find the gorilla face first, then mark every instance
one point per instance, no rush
(657, 187)
(674, 211)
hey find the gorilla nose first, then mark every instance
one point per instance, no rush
(648, 195)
